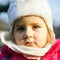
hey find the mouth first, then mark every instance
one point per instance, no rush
(29, 43)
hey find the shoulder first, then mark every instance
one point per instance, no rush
(57, 40)
(54, 52)
(4, 49)
(4, 53)
(56, 46)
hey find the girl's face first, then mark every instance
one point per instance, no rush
(30, 31)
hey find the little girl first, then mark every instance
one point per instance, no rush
(31, 35)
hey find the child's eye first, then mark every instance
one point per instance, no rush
(21, 29)
(36, 27)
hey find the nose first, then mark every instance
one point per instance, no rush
(28, 33)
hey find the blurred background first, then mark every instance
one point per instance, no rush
(4, 5)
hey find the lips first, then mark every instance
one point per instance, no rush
(29, 42)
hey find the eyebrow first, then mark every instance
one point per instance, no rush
(19, 24)
(35, 24)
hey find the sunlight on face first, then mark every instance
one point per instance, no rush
(30, 31)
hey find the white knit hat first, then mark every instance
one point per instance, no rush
(20, 8)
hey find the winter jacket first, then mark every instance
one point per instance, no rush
(52, 54)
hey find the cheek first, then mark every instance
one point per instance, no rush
(41, 38)
(18, 35)
(42, 34)
(18, 39)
